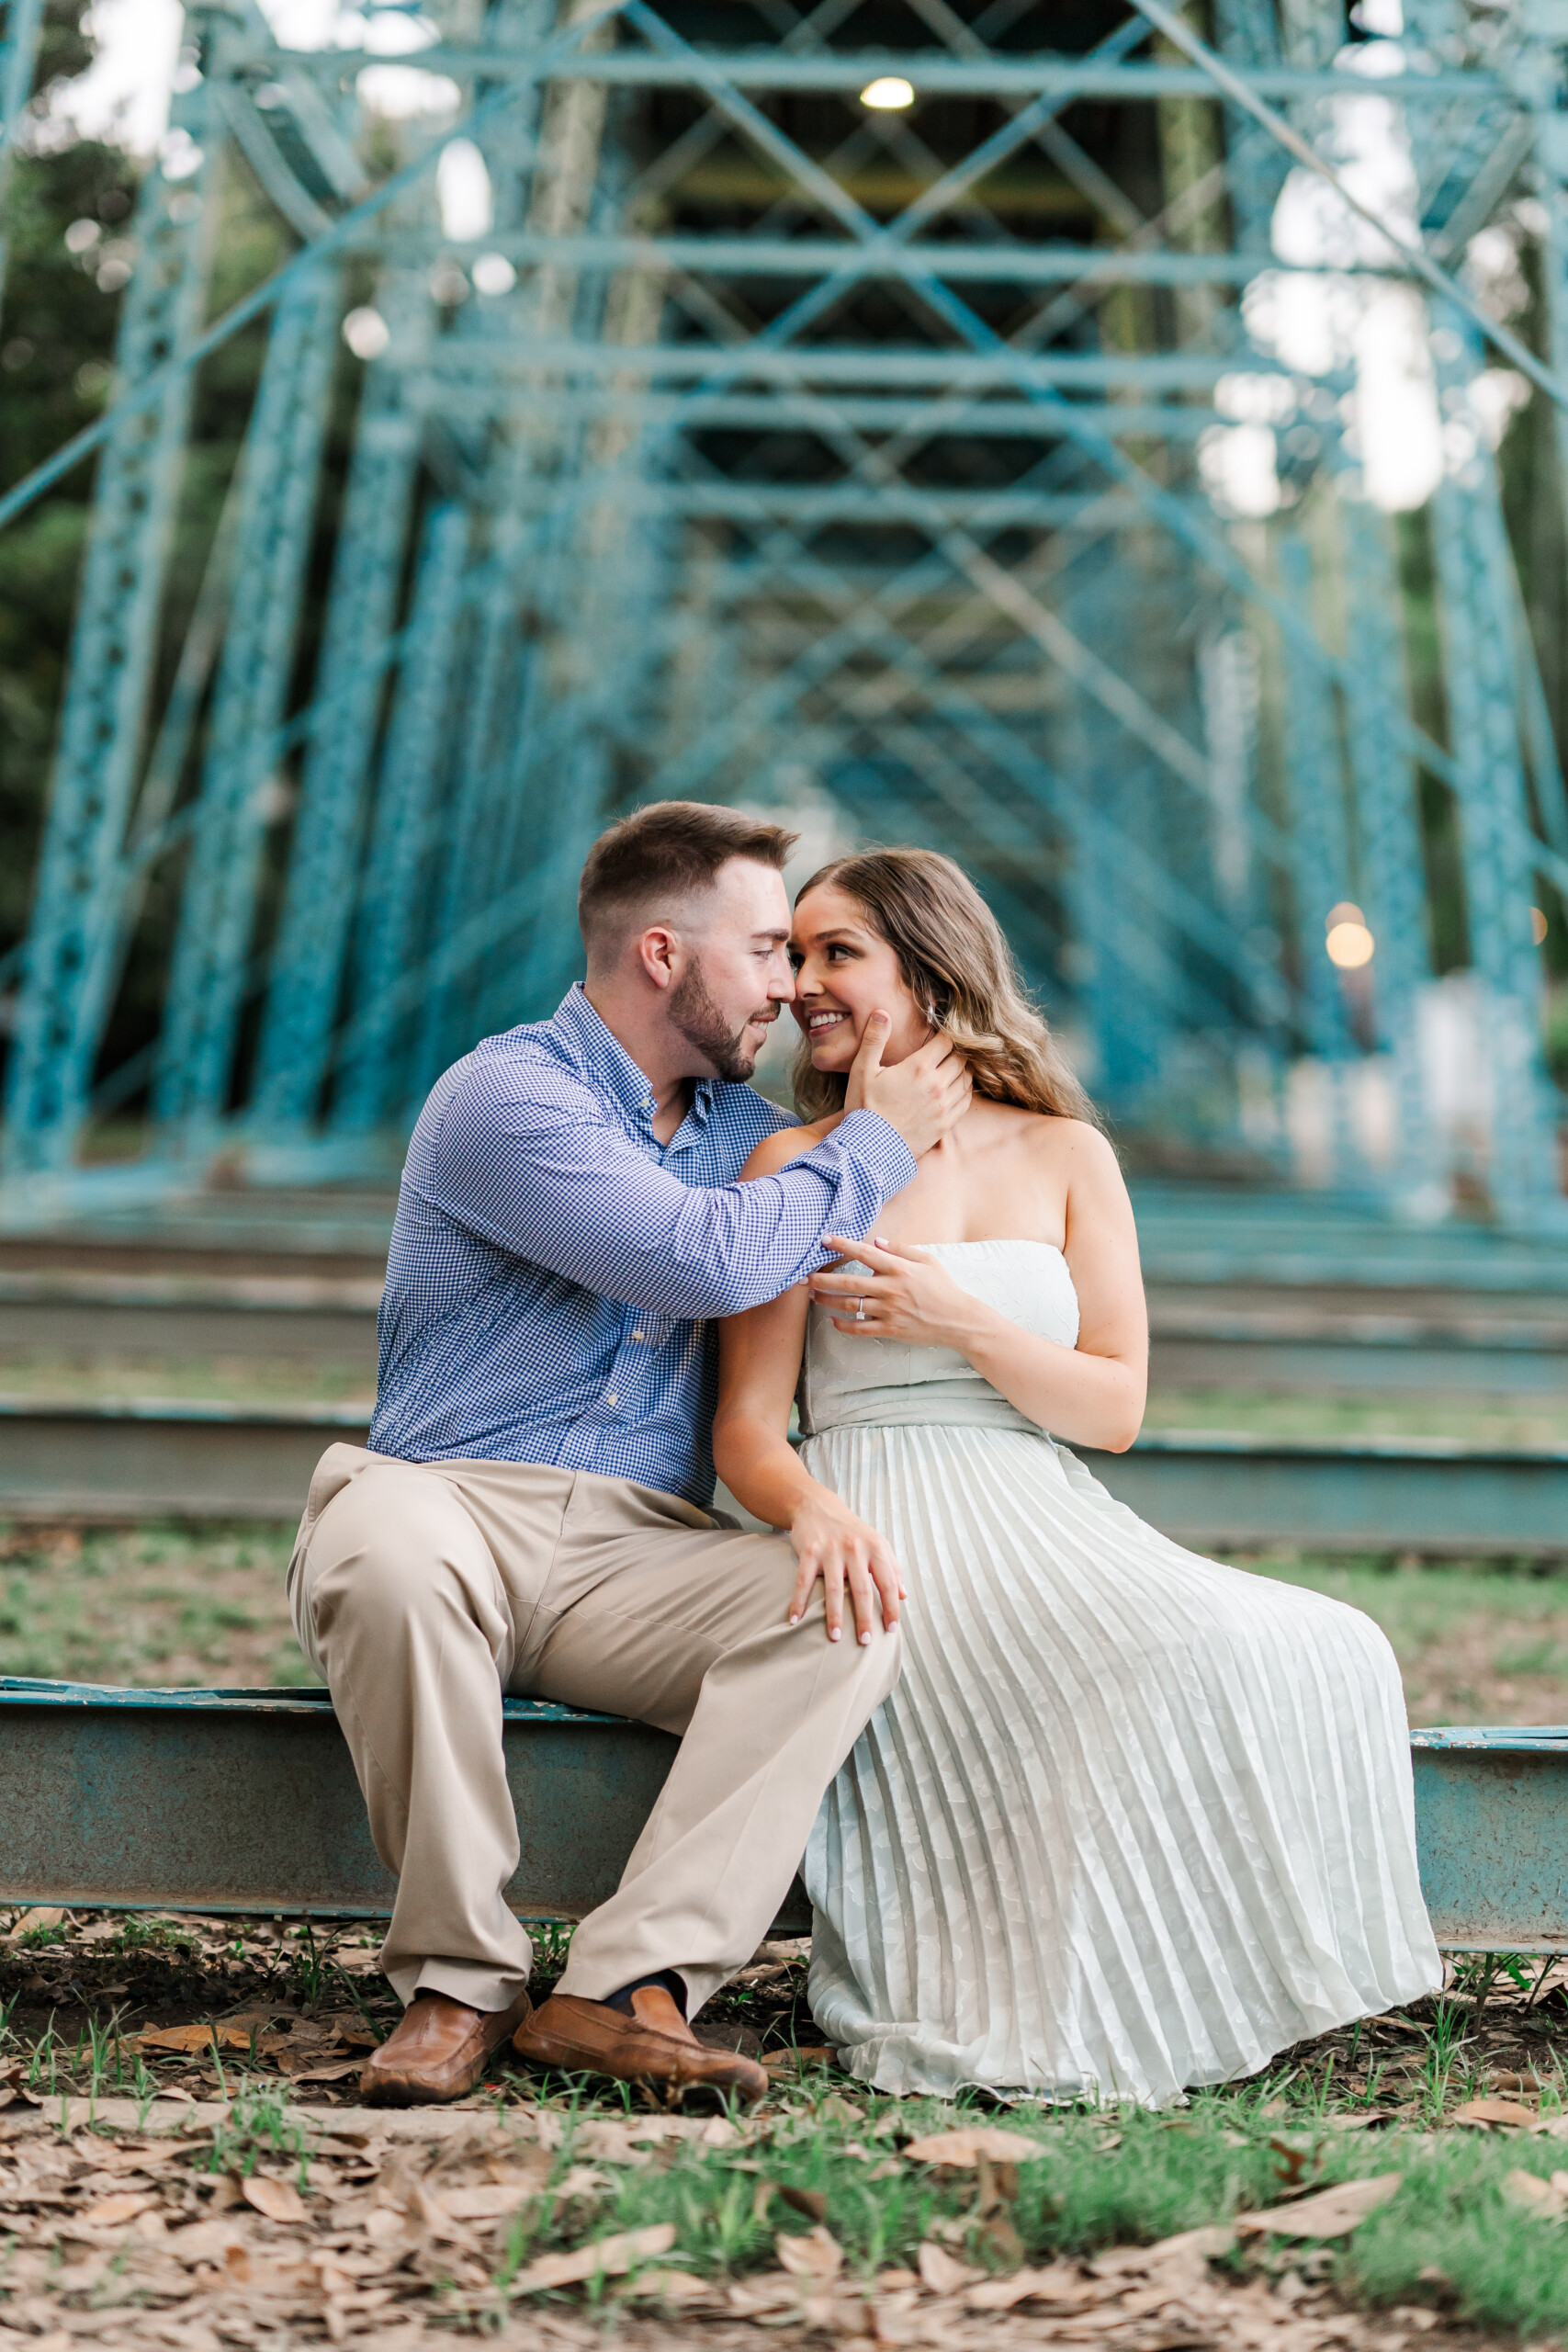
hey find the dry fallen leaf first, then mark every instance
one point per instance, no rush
(817, 2254)
(755, 2296)
(969, 2147)
(1210, 2239)
(1533, 2195)
(279, 2200)
(612, 2257)
(1505, 2114)
(812, 2202)
(190, 2037)
(1175, 2269)
(1059, 2283)
(1332, 2213)
(614, 2143)
(676, 2286)
(205, 2240)
(940, 2274)
(487, 2204)
(583, 2180)
(113, 2212)
(41, 1916)
(817, 2054)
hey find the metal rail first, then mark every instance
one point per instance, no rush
(1206, 1489)
(1492, 1830)
(258, 1810)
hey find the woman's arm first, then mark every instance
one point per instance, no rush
(760, 1356)
(1091, 1395)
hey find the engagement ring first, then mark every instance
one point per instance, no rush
(860, 1310)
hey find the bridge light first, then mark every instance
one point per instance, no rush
(888, 93)
(367, 334)
(1350, 946)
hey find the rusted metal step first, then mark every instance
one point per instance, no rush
(245, 1802)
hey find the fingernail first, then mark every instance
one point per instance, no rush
(795, 1621)
(879, 1016)
(865, 1639)
(834, 1634)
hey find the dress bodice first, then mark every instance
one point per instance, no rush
(847, 1381)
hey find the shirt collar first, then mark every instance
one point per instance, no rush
(601, 1056)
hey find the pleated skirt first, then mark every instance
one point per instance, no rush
(1131, 1821)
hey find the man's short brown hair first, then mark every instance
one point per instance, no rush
(660, 855)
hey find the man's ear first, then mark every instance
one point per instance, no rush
(658, 951)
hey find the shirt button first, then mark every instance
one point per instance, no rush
(638, 1335)
(612, 1399)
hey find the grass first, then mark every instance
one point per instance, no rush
(147, 1605)
(824, 2154)
(1477, 1421)
(1477, 1641)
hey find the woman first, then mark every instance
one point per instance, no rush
(1132, 1820)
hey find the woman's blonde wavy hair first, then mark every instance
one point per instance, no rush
(957, 963)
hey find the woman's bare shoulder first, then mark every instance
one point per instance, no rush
(1074, 1148)
(776, 1151)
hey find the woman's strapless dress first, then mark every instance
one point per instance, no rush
(1131, 1821)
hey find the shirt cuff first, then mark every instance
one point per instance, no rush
(875, 1145)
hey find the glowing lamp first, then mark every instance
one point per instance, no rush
(888, 93)
(1350, 946)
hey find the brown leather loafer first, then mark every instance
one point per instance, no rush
(437, 2049)
(654, 2045)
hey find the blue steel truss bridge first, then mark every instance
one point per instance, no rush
(950, 420)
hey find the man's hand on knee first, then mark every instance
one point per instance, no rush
(831, 1543)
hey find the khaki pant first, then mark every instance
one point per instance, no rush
(422, 1592)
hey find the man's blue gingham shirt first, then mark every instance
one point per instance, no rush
(554, 1266)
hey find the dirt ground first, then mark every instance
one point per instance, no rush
(183, 2161)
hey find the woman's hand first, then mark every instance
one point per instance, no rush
(906, 1294)
(831, 1542)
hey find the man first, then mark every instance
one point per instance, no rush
(531, 1512)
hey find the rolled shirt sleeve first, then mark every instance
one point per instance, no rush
(574, 1195)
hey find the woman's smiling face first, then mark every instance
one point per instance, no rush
(845, 971)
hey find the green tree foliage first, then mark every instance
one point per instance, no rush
(56, 345)
(70, 217)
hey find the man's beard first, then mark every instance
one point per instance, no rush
(701, 1023)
